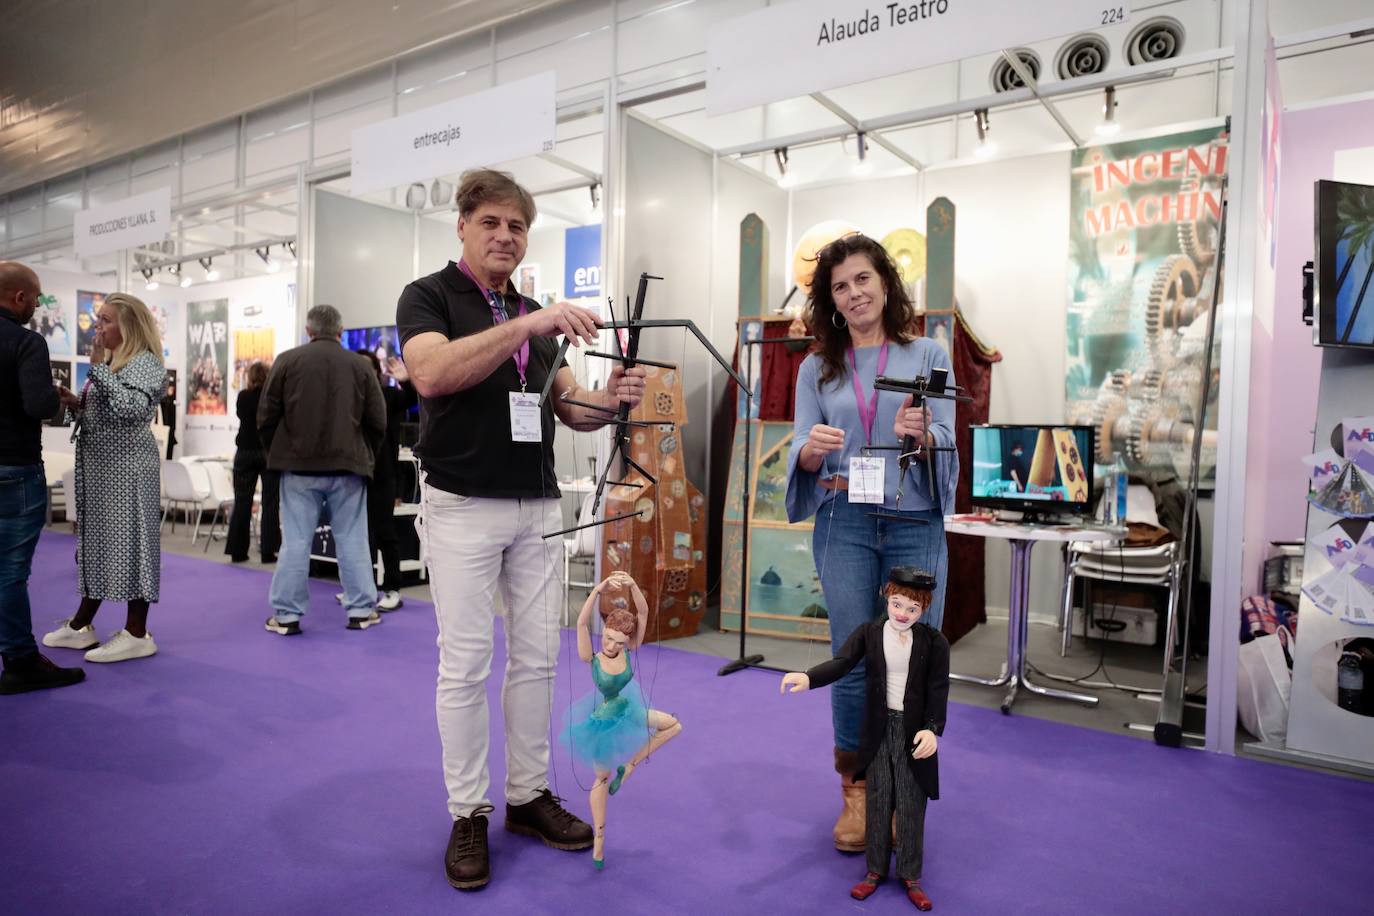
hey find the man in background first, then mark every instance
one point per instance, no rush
(27, 398)
(322, 420)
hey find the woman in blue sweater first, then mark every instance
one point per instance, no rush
(865, 326)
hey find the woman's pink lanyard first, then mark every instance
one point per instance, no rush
(498, 314)
(867, 412)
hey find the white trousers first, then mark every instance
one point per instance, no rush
(473, 546)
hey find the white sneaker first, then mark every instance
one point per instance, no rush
(123, 646)
(64, 637)
(389, 601)
(339, 597)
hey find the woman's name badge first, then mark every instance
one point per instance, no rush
(866, 479)
(525, 425)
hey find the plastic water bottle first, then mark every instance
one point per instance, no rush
(1349, 682)
(1119, 489)
(1109, 498)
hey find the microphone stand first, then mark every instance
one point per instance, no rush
(744, 660)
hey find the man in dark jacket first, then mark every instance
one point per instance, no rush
(27, 398)
(322, 420)
(906, 692)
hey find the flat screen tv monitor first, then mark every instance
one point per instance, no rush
(382, 341)
(1043, 471)
(1344, 264)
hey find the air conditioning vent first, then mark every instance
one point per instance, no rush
(1005, 79)
(1155, 39)
(1082, 55)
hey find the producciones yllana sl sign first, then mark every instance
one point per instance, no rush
(125, 223)
(496, 125)
(794, 49)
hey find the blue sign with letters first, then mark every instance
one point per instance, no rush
(582, 262)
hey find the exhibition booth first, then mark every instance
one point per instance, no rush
(1057, 210)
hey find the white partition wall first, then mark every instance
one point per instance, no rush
(667, 232)
(364, 255)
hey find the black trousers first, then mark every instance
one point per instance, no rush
(892, 786)
(381, 530)
(249, 465)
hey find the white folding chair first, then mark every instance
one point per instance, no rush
(181, 488)
(580, 547)
(222, 495)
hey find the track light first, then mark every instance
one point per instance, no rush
(416, 196)
(595, 191)
(291, 248)
(865, 165)
(148, 282)
(270, 262)
(1109, 126)
(184, 278)
(986, 147)
(439, 193)
(780, 157)
(207, 264)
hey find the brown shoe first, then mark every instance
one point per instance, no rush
(466, 862)
(865, 888)
(548, 820)
(917, 896)
(849, 829)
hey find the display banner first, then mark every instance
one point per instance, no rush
(207, 358)
(1143, 219)
(794, 49)
(496, 125)
(125, 223)
(582, 262)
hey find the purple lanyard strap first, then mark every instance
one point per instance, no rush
(499, 315)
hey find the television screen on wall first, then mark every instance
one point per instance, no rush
(383, 342)
(1343, 292)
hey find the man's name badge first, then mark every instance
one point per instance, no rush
(866, 479)
(525, 425)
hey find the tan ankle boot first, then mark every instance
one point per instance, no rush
(849, 829)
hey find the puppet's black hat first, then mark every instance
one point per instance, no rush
(911, 577)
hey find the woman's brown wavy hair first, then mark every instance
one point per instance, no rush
(899, 314)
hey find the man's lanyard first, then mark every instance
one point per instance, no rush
(499, 315)
(867, 412)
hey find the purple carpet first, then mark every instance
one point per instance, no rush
(240, 772)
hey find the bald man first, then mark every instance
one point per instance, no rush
(27, 398)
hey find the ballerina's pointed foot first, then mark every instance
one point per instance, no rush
(619, 777)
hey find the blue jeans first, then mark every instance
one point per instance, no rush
(23, 504)
(854, 553)
(303, 500)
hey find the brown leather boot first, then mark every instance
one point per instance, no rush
(849, 829)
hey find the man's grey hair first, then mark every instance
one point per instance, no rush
(323, 321)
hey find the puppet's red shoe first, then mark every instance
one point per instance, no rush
(917, 896)
(866, 887)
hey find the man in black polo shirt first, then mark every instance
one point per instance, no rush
(479, 353)
(27, 398)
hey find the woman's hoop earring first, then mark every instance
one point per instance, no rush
(838, 326)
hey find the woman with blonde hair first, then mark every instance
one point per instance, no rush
(118, 482)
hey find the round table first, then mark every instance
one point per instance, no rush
(1022, 536)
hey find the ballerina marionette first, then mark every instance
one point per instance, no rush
(612, 729)
(906, 689)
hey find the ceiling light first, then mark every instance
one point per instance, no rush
(270, 262)
(780, 157)
(986, 148)
(185, 277)
(148, 282)
(595, 191)
(1109, 125)
(207, 264)
(416, 196)
(864, 165)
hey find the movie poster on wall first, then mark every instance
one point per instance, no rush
(53, 320)
(251, 345)
(207, 357)
(1143, 235)
(87, 304)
